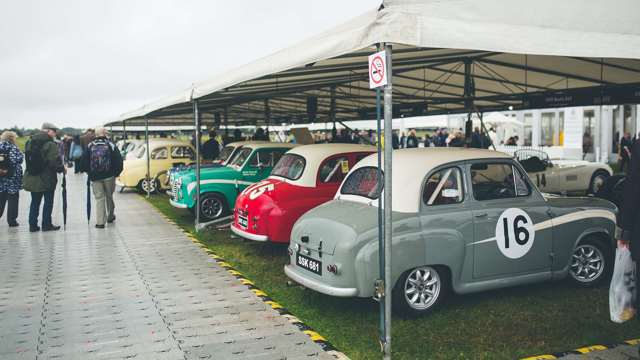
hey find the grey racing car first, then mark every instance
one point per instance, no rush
(463, 220)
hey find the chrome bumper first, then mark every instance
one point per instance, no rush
(317, 286)
(248, 235)
(177, 204)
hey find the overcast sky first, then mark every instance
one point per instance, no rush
(80, 63)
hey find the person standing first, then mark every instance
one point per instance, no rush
(412, 140)
(40, 179)
(628, 232)
(395, 140)
(75, 152)
(10, 176)
(103, 163)
(624, 151)
(211, 148)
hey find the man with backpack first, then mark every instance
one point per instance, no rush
(43, 165)
(102, 162)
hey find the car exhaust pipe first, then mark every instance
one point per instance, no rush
(202, 226)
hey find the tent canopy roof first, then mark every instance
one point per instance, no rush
(520, 54)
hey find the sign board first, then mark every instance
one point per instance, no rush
(377, 69)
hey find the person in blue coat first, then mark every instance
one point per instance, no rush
(10, 176)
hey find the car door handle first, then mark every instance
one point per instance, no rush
(483, 215)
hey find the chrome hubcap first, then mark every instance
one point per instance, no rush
(211, 208)
(422, 288)
(148, 185)
(598, 181)
(587, 263)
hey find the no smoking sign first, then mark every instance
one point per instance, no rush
(377, 69)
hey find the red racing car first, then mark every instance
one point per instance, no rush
(303, 178)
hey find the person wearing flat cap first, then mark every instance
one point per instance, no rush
(40, 178)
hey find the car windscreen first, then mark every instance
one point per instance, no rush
(366, 181)
(140, 152)
(289, 167)
(226, 152)
(241, 157)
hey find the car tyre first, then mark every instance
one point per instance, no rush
(591, 263)
(142, 186)
(598, 179)
(212, 207)
(420, 290)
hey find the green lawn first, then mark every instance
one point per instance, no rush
(503, 324)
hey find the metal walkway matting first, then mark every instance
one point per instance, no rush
(139, 289)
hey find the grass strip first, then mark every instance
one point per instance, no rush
(502, 324)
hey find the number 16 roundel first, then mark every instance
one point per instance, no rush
(514, 233)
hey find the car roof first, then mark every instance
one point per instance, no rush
(410, 166)
(248, 142)
(266, 144)
(315, 154)
(153, 143)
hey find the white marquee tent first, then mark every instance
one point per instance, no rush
(448, 56)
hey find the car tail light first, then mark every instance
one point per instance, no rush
(334, 269)
(255, 222)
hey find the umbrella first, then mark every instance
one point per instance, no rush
(88, 199)
(64, 200)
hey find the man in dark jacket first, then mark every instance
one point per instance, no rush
(211, 148)
(103, 163)
(629, 215)
(40, 178)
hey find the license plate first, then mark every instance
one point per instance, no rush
(243, 222)
(306, 263)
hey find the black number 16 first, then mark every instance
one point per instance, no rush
(518, 229)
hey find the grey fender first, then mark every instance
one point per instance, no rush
(604, 229)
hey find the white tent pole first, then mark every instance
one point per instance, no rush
(196, 119)
(388, 149)
(146, 140)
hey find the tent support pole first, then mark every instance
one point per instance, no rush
(380, 214)
(124, 130)
(146, 140)
(388, 149)
(468, 101)
(196, 120)
(225, 113)
(267, 116)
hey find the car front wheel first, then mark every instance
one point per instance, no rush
(590, 263)
(420, 290)
(598, 179)
(212, 206)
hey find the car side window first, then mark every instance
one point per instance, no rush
(334, 169)
(522, 186)
(443, 187)
(265, 158)
(492, 181)
(159, 153)
(181, 152)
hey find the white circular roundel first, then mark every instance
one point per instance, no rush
(514, 233)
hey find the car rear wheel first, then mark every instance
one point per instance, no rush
(152, 184)
(212, 207)
(420, 290)
(598, 179)
(590, 263)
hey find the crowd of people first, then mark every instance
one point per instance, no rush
(46, 157)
